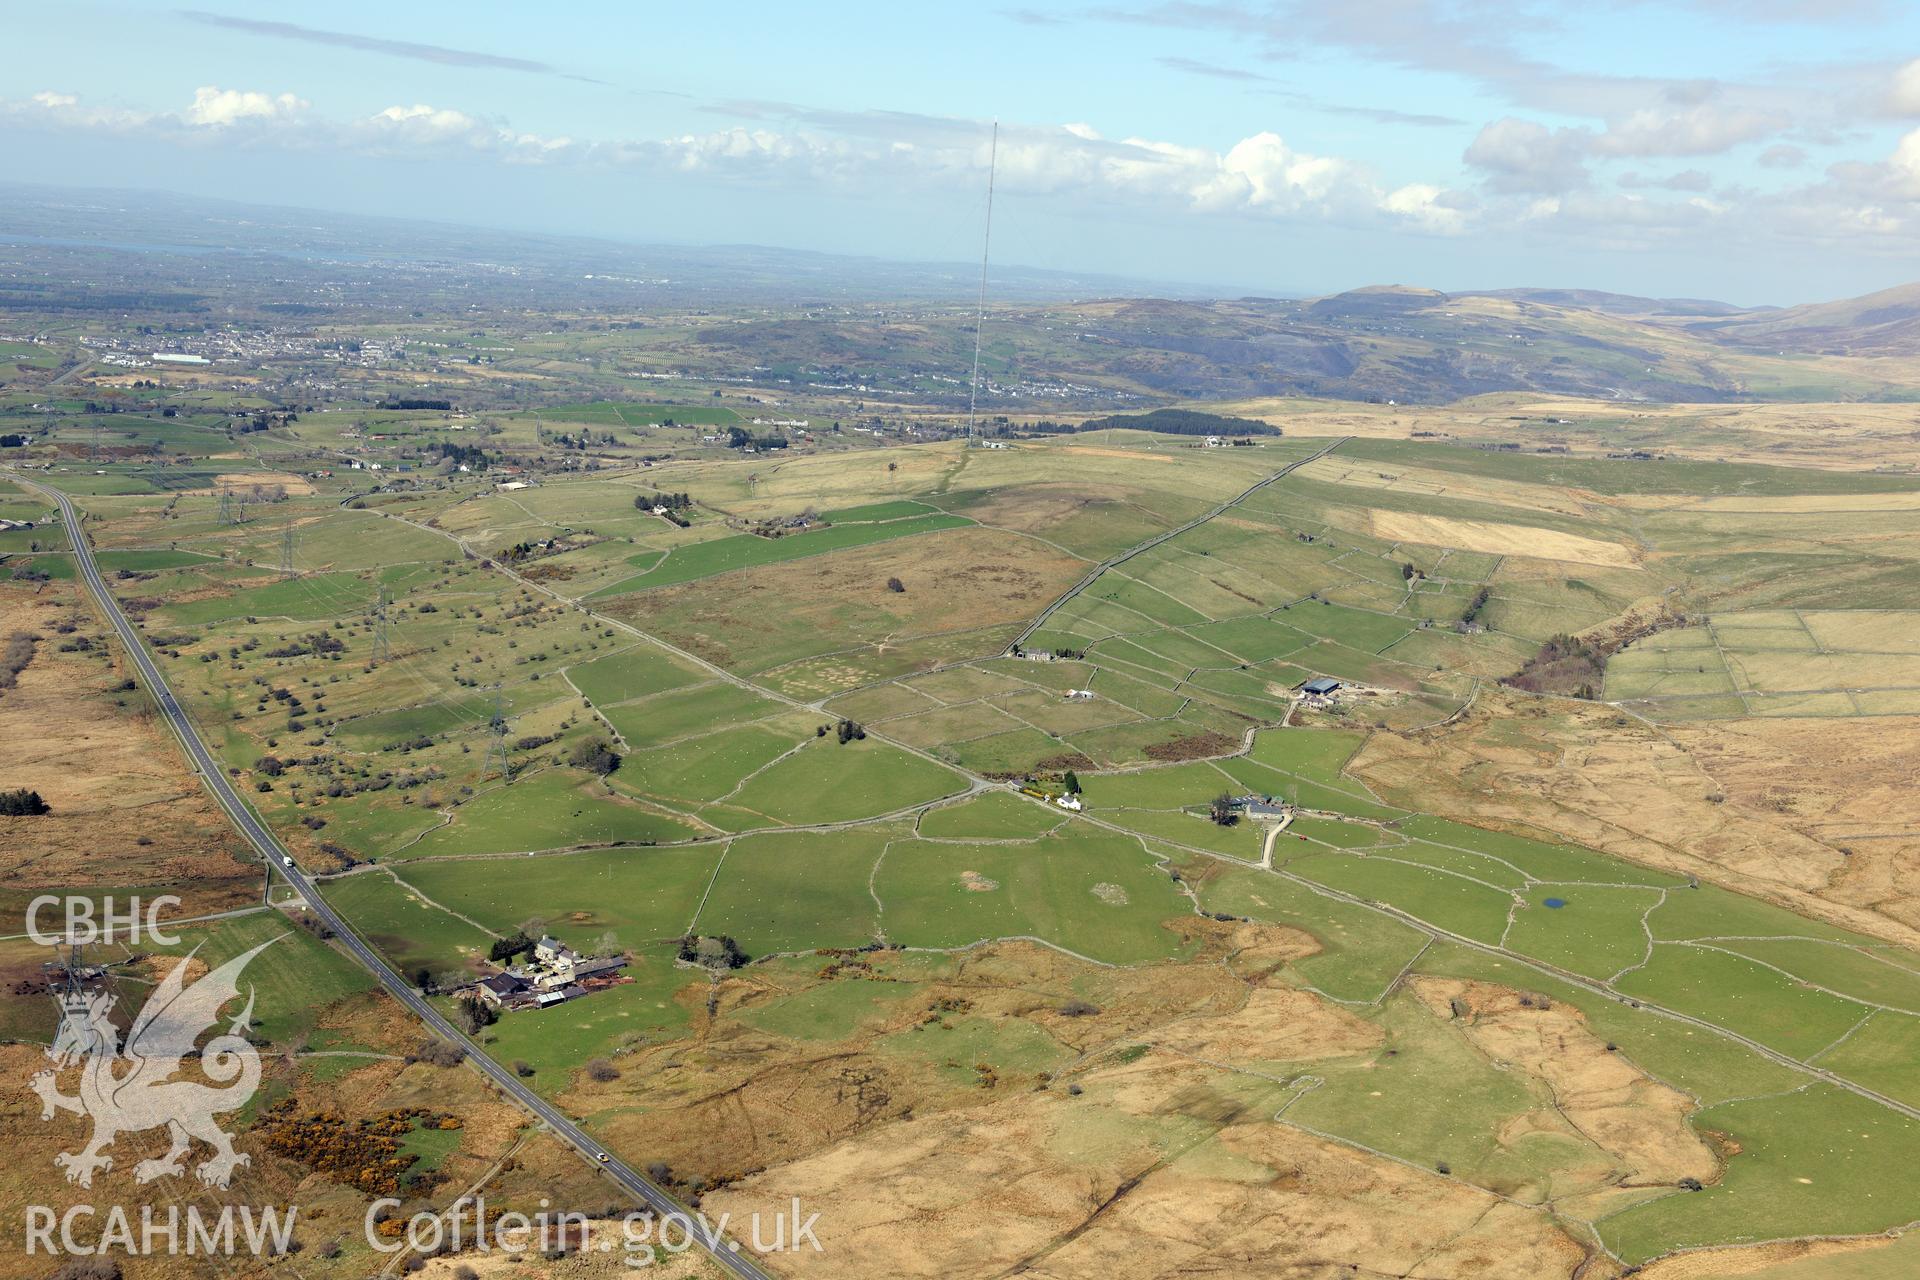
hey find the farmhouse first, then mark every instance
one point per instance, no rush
(1069, 802)
(555, 973)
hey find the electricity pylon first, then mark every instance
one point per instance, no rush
(381, 645)
(497, 742)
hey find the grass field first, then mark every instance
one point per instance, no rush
(638, 895)
(828, 781)
(1417, 574)
(1775, 662)
(626, 413)
(553, 809)
(293, 980)
(1099, 896)
(745, 551)
(795, 891)
(411, 932)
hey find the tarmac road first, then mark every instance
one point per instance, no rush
(727, 1253)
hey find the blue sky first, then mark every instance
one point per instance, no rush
(1753, 150)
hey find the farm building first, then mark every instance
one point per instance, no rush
(502, 987)
(1079, 695)
(1320, 686)
(554, 973)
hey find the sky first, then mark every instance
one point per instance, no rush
(1755, 151)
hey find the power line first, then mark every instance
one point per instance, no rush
(286, 549)
(980, 314)
(381, 648)
(226, 516)
(497, 742)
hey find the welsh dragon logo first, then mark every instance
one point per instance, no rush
(132, 1089)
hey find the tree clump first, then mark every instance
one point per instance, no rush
(22, 803)
(717, 952)
(595, 755)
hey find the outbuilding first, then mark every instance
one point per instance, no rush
(502, 987)
(1320, 686)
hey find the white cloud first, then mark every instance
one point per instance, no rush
(1526, 157)
(1277, 177)
(423, 118)
(423, 127)
(218, 107)
(1703, 129)
(1428, 207)
(66, 111)
(1903, 166)
(1695, 180)
(1903, 95)
(1259, 176)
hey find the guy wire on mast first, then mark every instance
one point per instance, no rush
(980, 314)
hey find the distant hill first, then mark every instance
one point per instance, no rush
(1411, 346)
(1064, 342)
(1881, 324)
(1375, 300)
(1619, 304)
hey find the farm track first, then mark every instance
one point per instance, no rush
(1174, 532)
(976, 785)
(279, 861)
(718, 672)
(1435, 933)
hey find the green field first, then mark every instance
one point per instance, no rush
(638, 895)
(409, 931)
(747, 551)
(917, 929)
(626, 413)
(553, 809)
(1099, 896)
